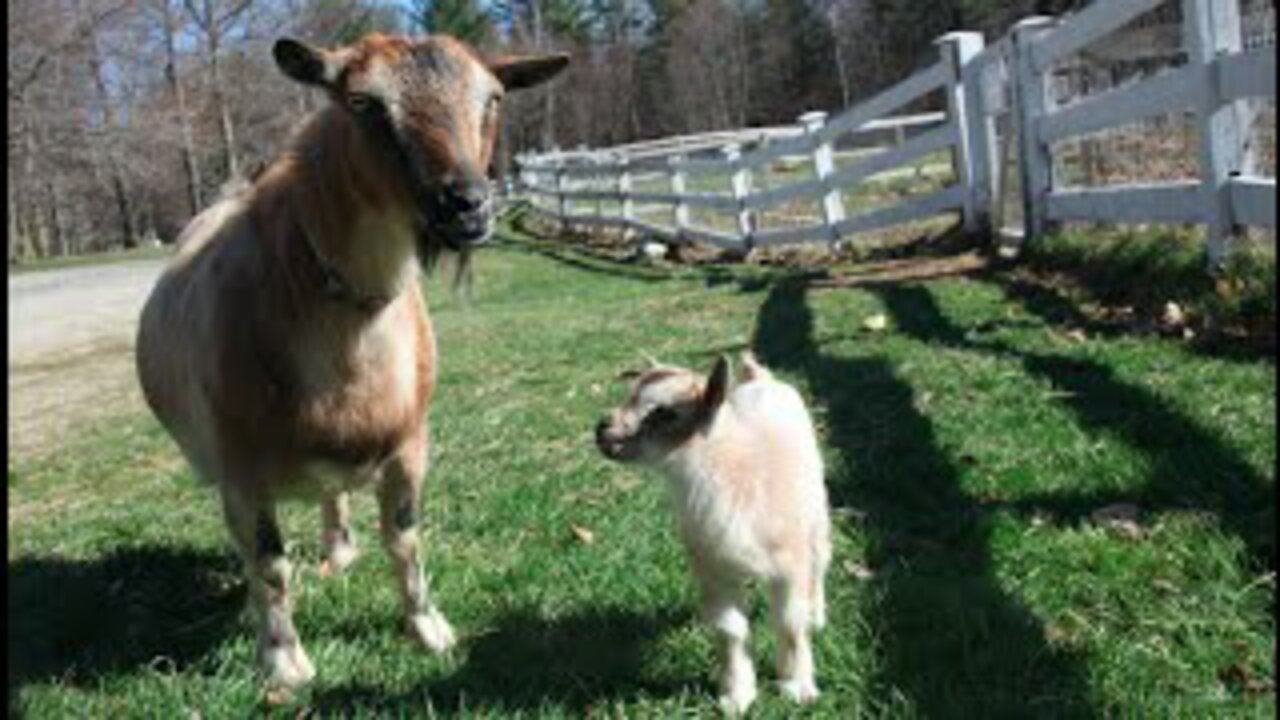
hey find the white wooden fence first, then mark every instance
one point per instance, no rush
(983, 85)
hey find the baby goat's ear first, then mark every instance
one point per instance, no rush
(717, 387)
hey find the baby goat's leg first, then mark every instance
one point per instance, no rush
(792, 622)
(337, 539)
(822, 560)
(399, 496)
(724, 609)
(257, 537)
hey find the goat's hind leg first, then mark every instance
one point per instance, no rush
(792, 611)
(252, 522)
(337, 538)
(399, 498)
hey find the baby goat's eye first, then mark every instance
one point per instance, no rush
(662, 416)
(361, 102)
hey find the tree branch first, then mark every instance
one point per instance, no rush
(21, 81)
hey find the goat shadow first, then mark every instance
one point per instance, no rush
(76, 621)
(529, 661)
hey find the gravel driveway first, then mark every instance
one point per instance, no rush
(71, 349)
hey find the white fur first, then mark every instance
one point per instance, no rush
(751, 503)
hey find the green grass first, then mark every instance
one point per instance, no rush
(1146, 269)
(967, 445)
(99, 258)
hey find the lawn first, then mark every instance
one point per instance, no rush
(969, 445)
(97, 258)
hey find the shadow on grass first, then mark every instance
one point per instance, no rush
(528, 661)
(952, 641)
(575, 256)
(1054, 306)
(75, 621)
(1192, 469)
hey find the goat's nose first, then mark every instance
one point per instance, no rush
(465, 197)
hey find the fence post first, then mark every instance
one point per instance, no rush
(1212, 29)
(971, 159)
(1035, 161)
(624, 198)
(740, 184)
(823, 167)
(562, 203)
(680, 209)
(598, 181)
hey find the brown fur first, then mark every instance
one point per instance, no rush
(274, 383)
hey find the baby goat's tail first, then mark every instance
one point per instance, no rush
(752, 369)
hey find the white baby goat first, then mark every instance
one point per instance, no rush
(746, 480)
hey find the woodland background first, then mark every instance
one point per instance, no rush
(126, 116)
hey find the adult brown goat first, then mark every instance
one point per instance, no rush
(287, 348)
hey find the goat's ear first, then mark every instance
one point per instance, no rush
(525, 71)
(307, 65)
(717, 387)
(628, 375)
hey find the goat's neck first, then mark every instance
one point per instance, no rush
(352, 210)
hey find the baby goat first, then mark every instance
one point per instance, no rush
(746, 479)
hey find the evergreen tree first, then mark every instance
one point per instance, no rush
(463, 19)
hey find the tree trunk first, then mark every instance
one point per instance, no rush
(15, 238)
(213, 35)
(179, 93)
(36, 231)
(548, 98)
(119, 185)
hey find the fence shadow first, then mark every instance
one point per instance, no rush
(1192, 468)
(952, 640)
(1054, 306)
(75, 621)
(529, 662)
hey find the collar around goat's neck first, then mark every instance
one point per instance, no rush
(336, 286)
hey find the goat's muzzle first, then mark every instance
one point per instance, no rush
(460, 213)
(614, 445)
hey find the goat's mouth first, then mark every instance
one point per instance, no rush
(458, 231)
(616, 447)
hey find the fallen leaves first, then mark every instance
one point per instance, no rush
(858, 570)
(582, 535)
(876, 322)
(1238, 678)
(1121, 518)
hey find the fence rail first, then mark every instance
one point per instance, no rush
(991, 93)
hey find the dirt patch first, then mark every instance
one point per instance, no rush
(50, 400)
(71, 351)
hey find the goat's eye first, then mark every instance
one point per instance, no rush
(662, 416)
(491, 107)
(361, 103)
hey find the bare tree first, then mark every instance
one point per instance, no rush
(169, 27)
(216, 18)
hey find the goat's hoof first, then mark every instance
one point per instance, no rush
(736, 701)
(801, 691)
(287, 666)
(432, 631)
(338, 558)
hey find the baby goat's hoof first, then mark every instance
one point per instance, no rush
(801, 691)
(735, 702)
(432, 631)
(287, 666)
(338, 558)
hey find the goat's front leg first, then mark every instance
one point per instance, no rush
(252, 522)
(724, 608)
(337, 538)
(399, 499)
